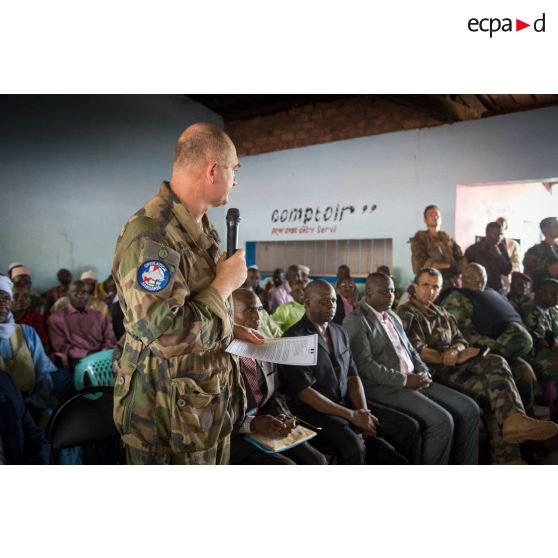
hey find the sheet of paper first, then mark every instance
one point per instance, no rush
(301, 351)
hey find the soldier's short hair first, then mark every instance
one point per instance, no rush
(546, 222)
(200, 143)
(430, 270)
(428, 208)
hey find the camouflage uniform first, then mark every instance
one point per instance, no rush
(177, 392)
(427, 250)
(488, 380)
(522, 303)
(544, 360)
(513, 344)
(536, 261)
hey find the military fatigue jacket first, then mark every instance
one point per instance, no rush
(540, 320)
(430, 326)
(461, 308)
(427, 250)
(176, 388)
(537, 259)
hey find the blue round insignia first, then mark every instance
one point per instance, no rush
(153, 276)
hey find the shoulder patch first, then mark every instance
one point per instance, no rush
(153, 276)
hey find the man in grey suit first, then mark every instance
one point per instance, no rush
(393, 373)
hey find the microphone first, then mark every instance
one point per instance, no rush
(233, 218)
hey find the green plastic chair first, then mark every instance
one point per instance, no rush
(94, 370)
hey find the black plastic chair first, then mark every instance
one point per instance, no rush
(83, 422)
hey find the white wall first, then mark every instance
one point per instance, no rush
(74, 168)
(400, 172)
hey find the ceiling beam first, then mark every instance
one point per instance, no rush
(440, 107)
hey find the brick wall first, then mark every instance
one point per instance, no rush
(322, 123)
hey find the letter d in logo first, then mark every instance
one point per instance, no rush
(539, 24)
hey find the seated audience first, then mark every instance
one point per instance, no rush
(436, 248)
(542, 323)
(25, 315)
(282, 293)
(538, 257)
(94, 302)
(253, 280)
(268, 328)
(286, 315)
(105, 291)
(329, 395)
(64, 277)
(434, 334)
(487, 318)
(78, 330)
(491, 253)
(514, 252)
(275, 281)
(343, 272)
(393, 373)
(22, 442)
(21, 277)
(23, 357)
(347, 299)
(304, 274)
(267, 413)
(520, 295)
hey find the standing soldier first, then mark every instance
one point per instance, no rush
(539, 256)
(436, 248)
(177, 391)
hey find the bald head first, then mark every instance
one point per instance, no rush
(474, 277)
(246, 307)
(201, 143)
(320, 301)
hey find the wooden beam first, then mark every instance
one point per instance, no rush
(440, 107)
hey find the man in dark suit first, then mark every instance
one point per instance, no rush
(330, 394)
(267, 412)
(394, 374)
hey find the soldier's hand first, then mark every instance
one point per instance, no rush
(467, 354)
(449, 357)
(231, 273)
(247, 334)
(267, 425)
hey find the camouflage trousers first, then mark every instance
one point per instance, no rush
(490, 382)
(217, 455)
(525, 381)
(514, 342)
(545, 363)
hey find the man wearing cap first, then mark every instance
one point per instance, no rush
(178, 392)
(253, 280)
(94, 302)
(520, 295)
(21, 277)
(282, 293)
(53, 294)
(304, 274)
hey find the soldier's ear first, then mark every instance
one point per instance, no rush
(210, 171)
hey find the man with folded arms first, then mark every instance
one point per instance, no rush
(330, 394)
(267, 413)
(435, 336)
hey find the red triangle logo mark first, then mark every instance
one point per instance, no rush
(519, 25)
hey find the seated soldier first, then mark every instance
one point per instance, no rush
(267, 413)
(23, 357)
(330, 394)
(53, 294)
(393, 373)
(287, 314)
(21, 441)
(542, 323)
(485, 317)
(520, 295)
(78, 330)
(434, 333)
(89, 279)
(540, 256)
(25, 315)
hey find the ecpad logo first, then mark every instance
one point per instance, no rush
(493, 25)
